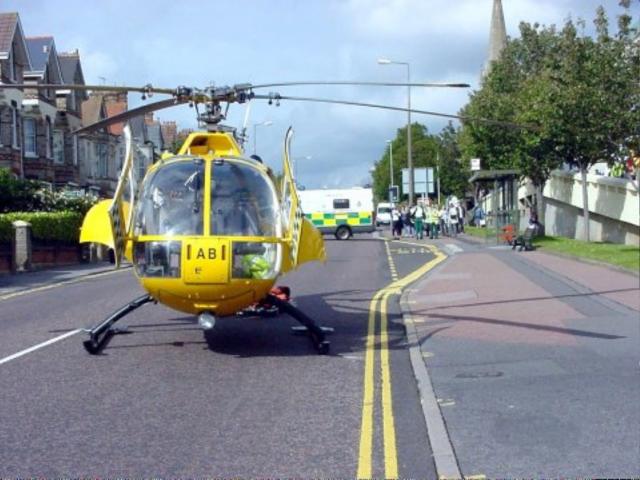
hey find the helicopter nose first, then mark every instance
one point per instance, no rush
(207, 320)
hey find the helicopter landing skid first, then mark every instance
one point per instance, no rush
(100, 335)
(316, 332)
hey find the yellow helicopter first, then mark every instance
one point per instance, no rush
(207, 231)
(208, 235)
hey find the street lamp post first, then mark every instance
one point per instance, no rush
(266, 123)
(390, 142)
(386, 61)
(295, 168)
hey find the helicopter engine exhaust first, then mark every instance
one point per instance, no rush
(207, 320)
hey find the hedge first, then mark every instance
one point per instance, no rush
(62, 227)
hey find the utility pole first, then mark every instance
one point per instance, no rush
(390, 142)
(386, 61)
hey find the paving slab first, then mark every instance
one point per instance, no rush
(532, 360)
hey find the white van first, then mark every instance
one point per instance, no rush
(342, 211)
(383, 214)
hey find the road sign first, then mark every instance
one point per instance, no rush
(475, 164)
(393, 193)
(422, 181)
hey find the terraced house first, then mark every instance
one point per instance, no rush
(14, 61)
(36, 125)
(40, 109)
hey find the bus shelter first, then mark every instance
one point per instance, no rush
(502, 213)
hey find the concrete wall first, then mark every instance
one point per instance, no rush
(614, 206)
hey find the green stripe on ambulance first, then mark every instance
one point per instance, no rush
(336, 219)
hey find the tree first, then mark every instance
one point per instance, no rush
(454, 173)
(596, 98)
(578, 97)
(428, 150)
(516, 89)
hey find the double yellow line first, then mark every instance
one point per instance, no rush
(379, 303)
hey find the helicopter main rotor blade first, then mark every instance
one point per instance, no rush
(502, 123)
(371, 84)
(147, 89)
(135, 112)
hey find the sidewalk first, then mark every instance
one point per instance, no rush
(533, 360)
(13, 283)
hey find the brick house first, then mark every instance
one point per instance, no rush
(100, 152)
(40, 110)
(14, 61)
(68, 119)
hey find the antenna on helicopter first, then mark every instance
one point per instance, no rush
(242, 137)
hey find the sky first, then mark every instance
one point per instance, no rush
(198, 42)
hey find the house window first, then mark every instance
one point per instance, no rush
(12, 67)
(30, 137)
(58, 147)
(75, 149)
(14, 128)
(101, 155)
(48, 139)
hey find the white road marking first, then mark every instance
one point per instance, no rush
(39, 346)
(452, 248)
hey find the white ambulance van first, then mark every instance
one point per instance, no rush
(383, 214)
(341, 212)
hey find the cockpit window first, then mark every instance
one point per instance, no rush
(243, 201)
(172, 200)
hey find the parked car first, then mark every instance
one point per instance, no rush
(383, 214)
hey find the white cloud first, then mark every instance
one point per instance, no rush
(175, 43)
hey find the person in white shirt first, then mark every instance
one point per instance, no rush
(419, 216)
(453, 220)
(396, 223)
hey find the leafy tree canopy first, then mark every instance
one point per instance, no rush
(428, 150)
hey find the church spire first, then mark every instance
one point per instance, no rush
(497, 36)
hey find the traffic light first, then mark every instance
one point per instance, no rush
(393, 193)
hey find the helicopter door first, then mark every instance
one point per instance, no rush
(120, 224)
(291, 211)
(206, 260)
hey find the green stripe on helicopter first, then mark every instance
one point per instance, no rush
(334, 219)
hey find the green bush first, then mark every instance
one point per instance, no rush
(59, 227)
(18, 195)
(58, 202)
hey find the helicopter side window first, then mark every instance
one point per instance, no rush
(243, 201)
(172, 200)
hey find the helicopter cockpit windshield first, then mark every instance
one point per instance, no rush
(243, 201)
(172, 200)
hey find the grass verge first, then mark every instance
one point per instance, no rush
(625, 256)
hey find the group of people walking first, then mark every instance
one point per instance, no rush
(427, 219)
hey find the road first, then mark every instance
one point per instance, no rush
(248, 400)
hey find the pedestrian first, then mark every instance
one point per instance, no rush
(453, 220)
(396, 223)
(478, 217)
(419, 216)
(444, 221)
(461, 214)
(434, 221)
(406, 221)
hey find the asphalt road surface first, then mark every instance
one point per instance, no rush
(249, 399)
